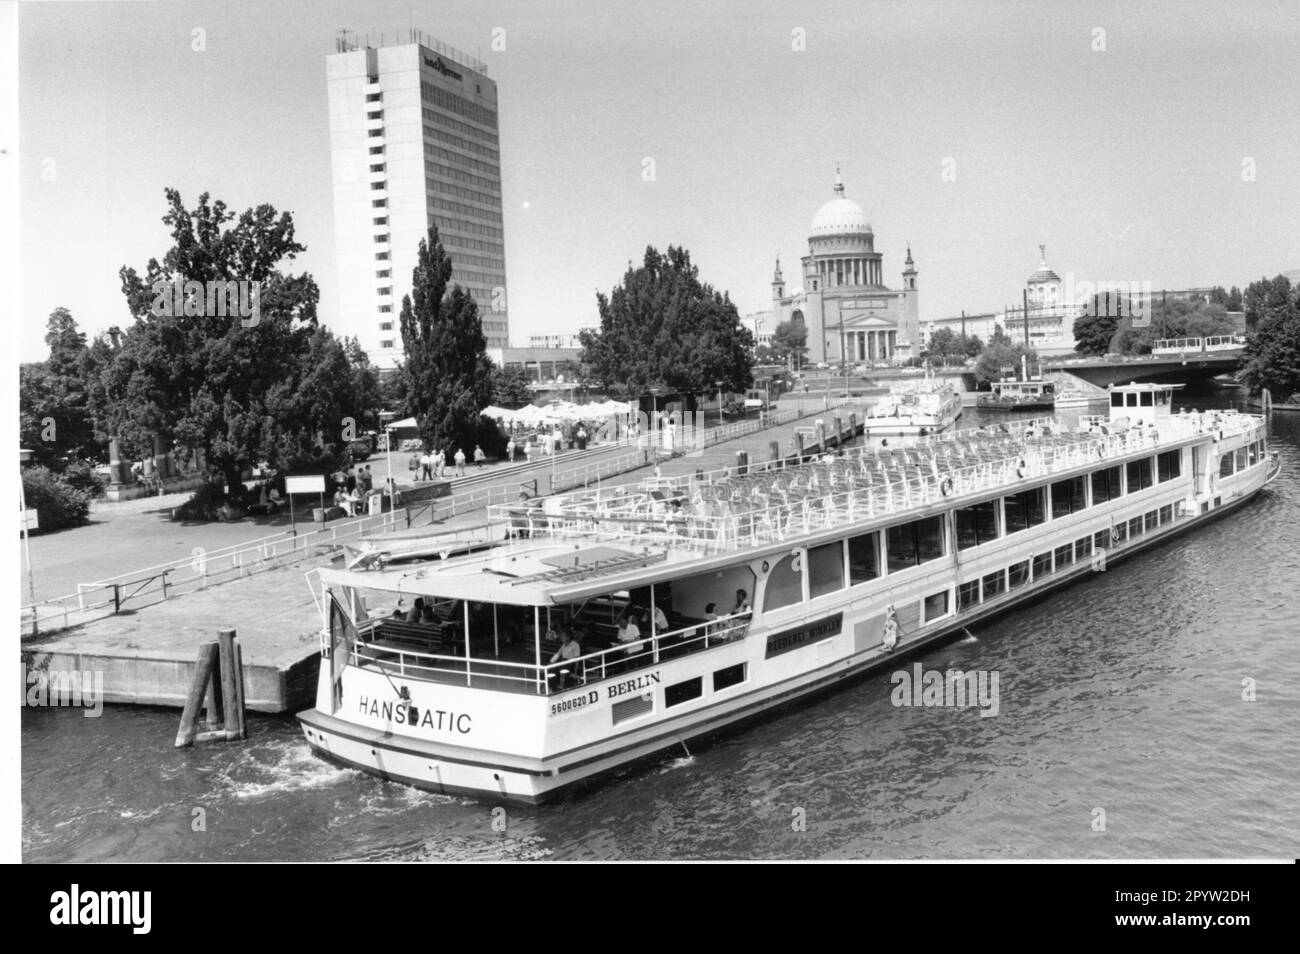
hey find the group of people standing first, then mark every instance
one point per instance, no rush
(430, 465)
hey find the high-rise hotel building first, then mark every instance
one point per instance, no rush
(413, 141)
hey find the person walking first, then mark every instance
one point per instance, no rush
(426, 466)
(479, 456)
(510, 451)
(460, 462)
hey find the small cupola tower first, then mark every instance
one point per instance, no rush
(778, 283)
(909, 273)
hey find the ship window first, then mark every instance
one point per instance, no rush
(632, 708)
(1151, 521)
(1018, 574)
(1068, 496)
(1241, 458)
(1138, 473)
(1225, 465)
(864, 558)
(1064, 555)
(1252, 458)
(1083, 547)
(1105, 485)
(1147, 399)
(731, 676)
(977, 524)
(826, 569)
(1118, 532)
(995, 583)
(1167, 513)
(784, 585)
(968, 594)
(1023, 510)
(911, 544)
(1135, 527)
(1117, 399)
(936, 605)
(681, 692)
(1042, 565)
(1132, 400)
(1169, 465)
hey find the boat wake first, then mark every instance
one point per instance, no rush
(278, 767)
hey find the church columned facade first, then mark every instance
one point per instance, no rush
(849, 312)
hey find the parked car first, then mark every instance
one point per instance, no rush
(362, 447)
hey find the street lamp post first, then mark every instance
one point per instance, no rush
(392, 482)
(721, 422)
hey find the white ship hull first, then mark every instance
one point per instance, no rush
(454, 737)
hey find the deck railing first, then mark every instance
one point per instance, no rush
(548, 678)
(735, 512)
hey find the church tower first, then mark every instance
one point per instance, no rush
(778, 283)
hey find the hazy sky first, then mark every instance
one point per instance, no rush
(1129, 162)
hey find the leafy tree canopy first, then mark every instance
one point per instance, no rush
(661, 326)
(1272, 354)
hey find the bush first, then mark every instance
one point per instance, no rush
(81, 476)
(58, 504)
(204, 504)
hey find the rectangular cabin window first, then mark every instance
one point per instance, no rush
(936, 605)
(681, 692)
(1106, 485)
(1148, 399)
(826, 569)
(968, 595)
(1151, 520)
(1117, 399)
(1252, 457)
(1225, 465)
(1042, 565)
(1064, 555)
(977, 524)
(864, 558)
(1131, 400)
(1069, 496)
(1241, 458)
(1138, 473)
(1101, 539)
(1119, 532)
(1083, 548)
(1169, 465)
(1135, 528)
(995, 583)
(632, 708)
(784, 585)
(1018, 574)
(731, 676)
(911, 544)
(1024, 510)
(1166, 514)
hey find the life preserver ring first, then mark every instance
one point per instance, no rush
(945, 487)
(1114, 535)
(1021, 469)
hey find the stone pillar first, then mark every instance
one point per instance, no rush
(117, 468)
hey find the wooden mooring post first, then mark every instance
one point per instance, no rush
(218, 688)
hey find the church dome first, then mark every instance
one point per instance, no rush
(839, 216)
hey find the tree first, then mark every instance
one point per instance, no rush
(972, 345)
(1272, 354)
(510, 387)
(998, 357)
(268, 387)
(54, 422)
(1230, 300)
(447, 370)
(1099, 321)
(790, 344)
(663, 327)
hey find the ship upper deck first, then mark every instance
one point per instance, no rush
(556, 549)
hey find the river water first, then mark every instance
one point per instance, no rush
(1120, 695)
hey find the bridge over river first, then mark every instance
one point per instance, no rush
(1171, 360)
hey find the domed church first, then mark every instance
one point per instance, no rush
(844, 303)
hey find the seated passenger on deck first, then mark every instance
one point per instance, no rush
(569, 650)
(416, 611)
(629, 634)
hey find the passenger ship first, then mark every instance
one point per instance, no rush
(1012, 394)
(924, 408)
(772, 582)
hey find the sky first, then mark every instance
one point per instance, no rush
(1152, 142)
